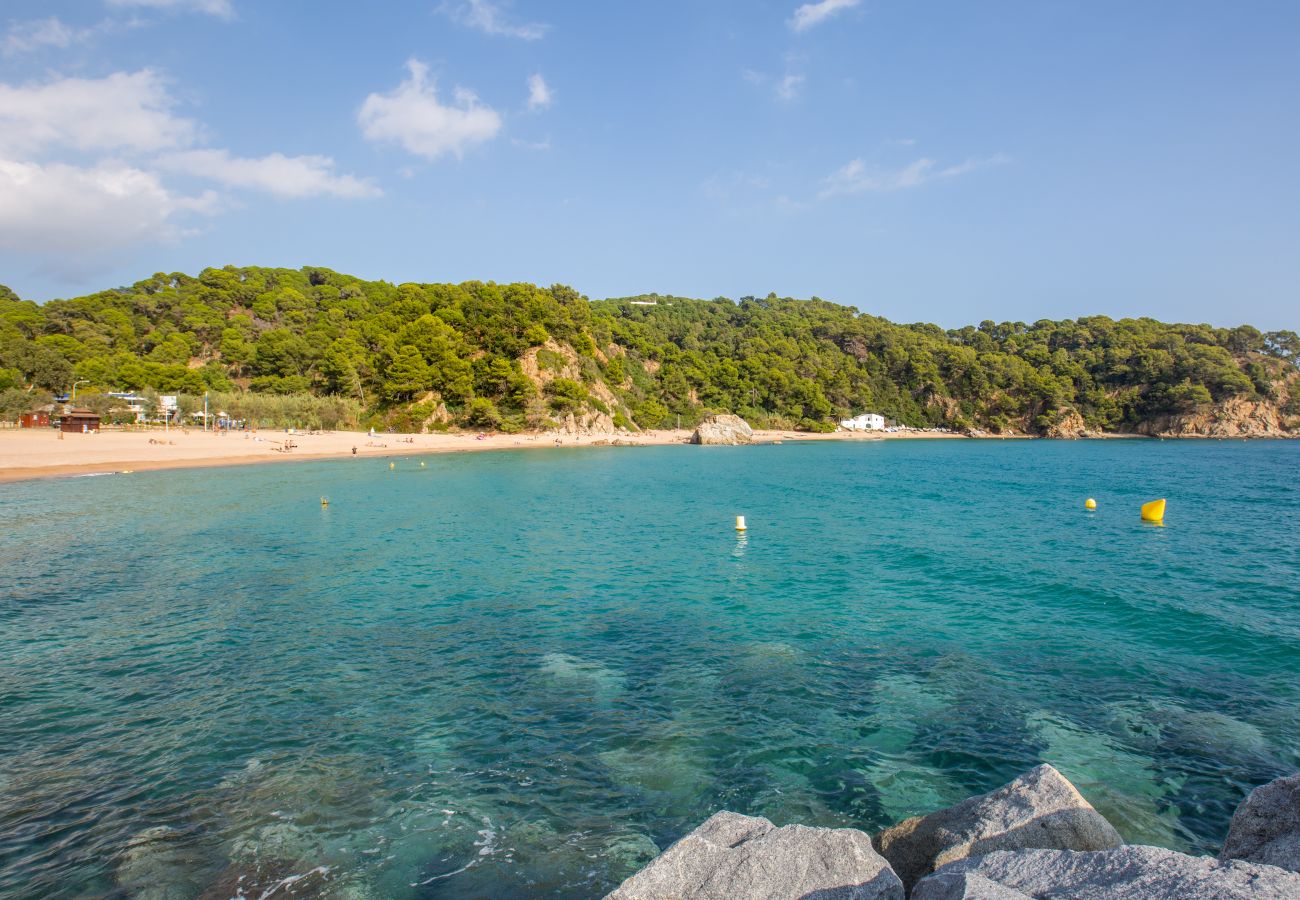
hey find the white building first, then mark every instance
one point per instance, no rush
(865, 422)
(134, 403)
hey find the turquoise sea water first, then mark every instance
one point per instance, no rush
(520, 673)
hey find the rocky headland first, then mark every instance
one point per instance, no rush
(1036, 837)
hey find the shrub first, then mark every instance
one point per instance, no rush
(483, 413)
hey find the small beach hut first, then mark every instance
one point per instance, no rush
(79, 420)
(37, 418)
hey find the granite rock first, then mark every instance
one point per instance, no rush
(1040, 809)
(1124, 873)
(1266, 826)
(723, 429)
(732, 856)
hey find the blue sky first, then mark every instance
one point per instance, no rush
(945, 162)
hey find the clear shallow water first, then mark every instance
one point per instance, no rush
(513, 674)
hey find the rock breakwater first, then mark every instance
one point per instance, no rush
(1034, 837)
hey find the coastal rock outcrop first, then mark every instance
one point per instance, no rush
(1070, 426)
(587, 423)
(1040, 809)
(1233, 417)
(731, 855)
(1266, 826)
(723, 429)
(1124, 873)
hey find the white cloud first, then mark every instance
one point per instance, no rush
(78, 215)
(284, 176)
(810, 14)
(488, 18)
(412, 116)
(83, 166)
(124, 111)
(222, 9)
(539, 93)
(856, 177)
(23, 37)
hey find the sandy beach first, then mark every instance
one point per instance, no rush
(41, 453)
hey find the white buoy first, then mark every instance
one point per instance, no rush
(740, 524)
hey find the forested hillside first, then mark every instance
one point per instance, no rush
(337, 350)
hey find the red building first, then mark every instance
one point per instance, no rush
(39, 419)
(79, 420)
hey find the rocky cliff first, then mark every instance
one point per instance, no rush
(1234, 417)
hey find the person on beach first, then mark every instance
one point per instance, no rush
(354, 451)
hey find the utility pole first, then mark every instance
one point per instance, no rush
(205, 410)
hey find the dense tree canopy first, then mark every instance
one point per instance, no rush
(518, 356)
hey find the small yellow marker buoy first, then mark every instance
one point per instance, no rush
(324, 502)
(1090, 503)
(392, 465)
(1154, 511)
(740, 524)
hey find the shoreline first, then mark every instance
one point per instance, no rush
(28, 454)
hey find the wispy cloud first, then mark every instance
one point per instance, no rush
(222, 9)
(856, 177)
(543, 144)
(786, 87)
(488, 18)
(414, 117)
(540, 95)
(275, 173)
(24, 37)
(811, 14)
(729, 185)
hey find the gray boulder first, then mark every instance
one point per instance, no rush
(732, 856)
(1125, 873)
(723, 429)
(1266, 827)
(1040, 809)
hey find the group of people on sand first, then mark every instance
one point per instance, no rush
(161, 442)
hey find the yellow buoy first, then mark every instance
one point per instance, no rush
(1154, 511)
(324, 501)
(392, 465)
(422, 464)
(1090, 503)
(740, 524)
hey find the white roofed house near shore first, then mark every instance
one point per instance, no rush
(864, 422)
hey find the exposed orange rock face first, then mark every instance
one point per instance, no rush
(1234, 417)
